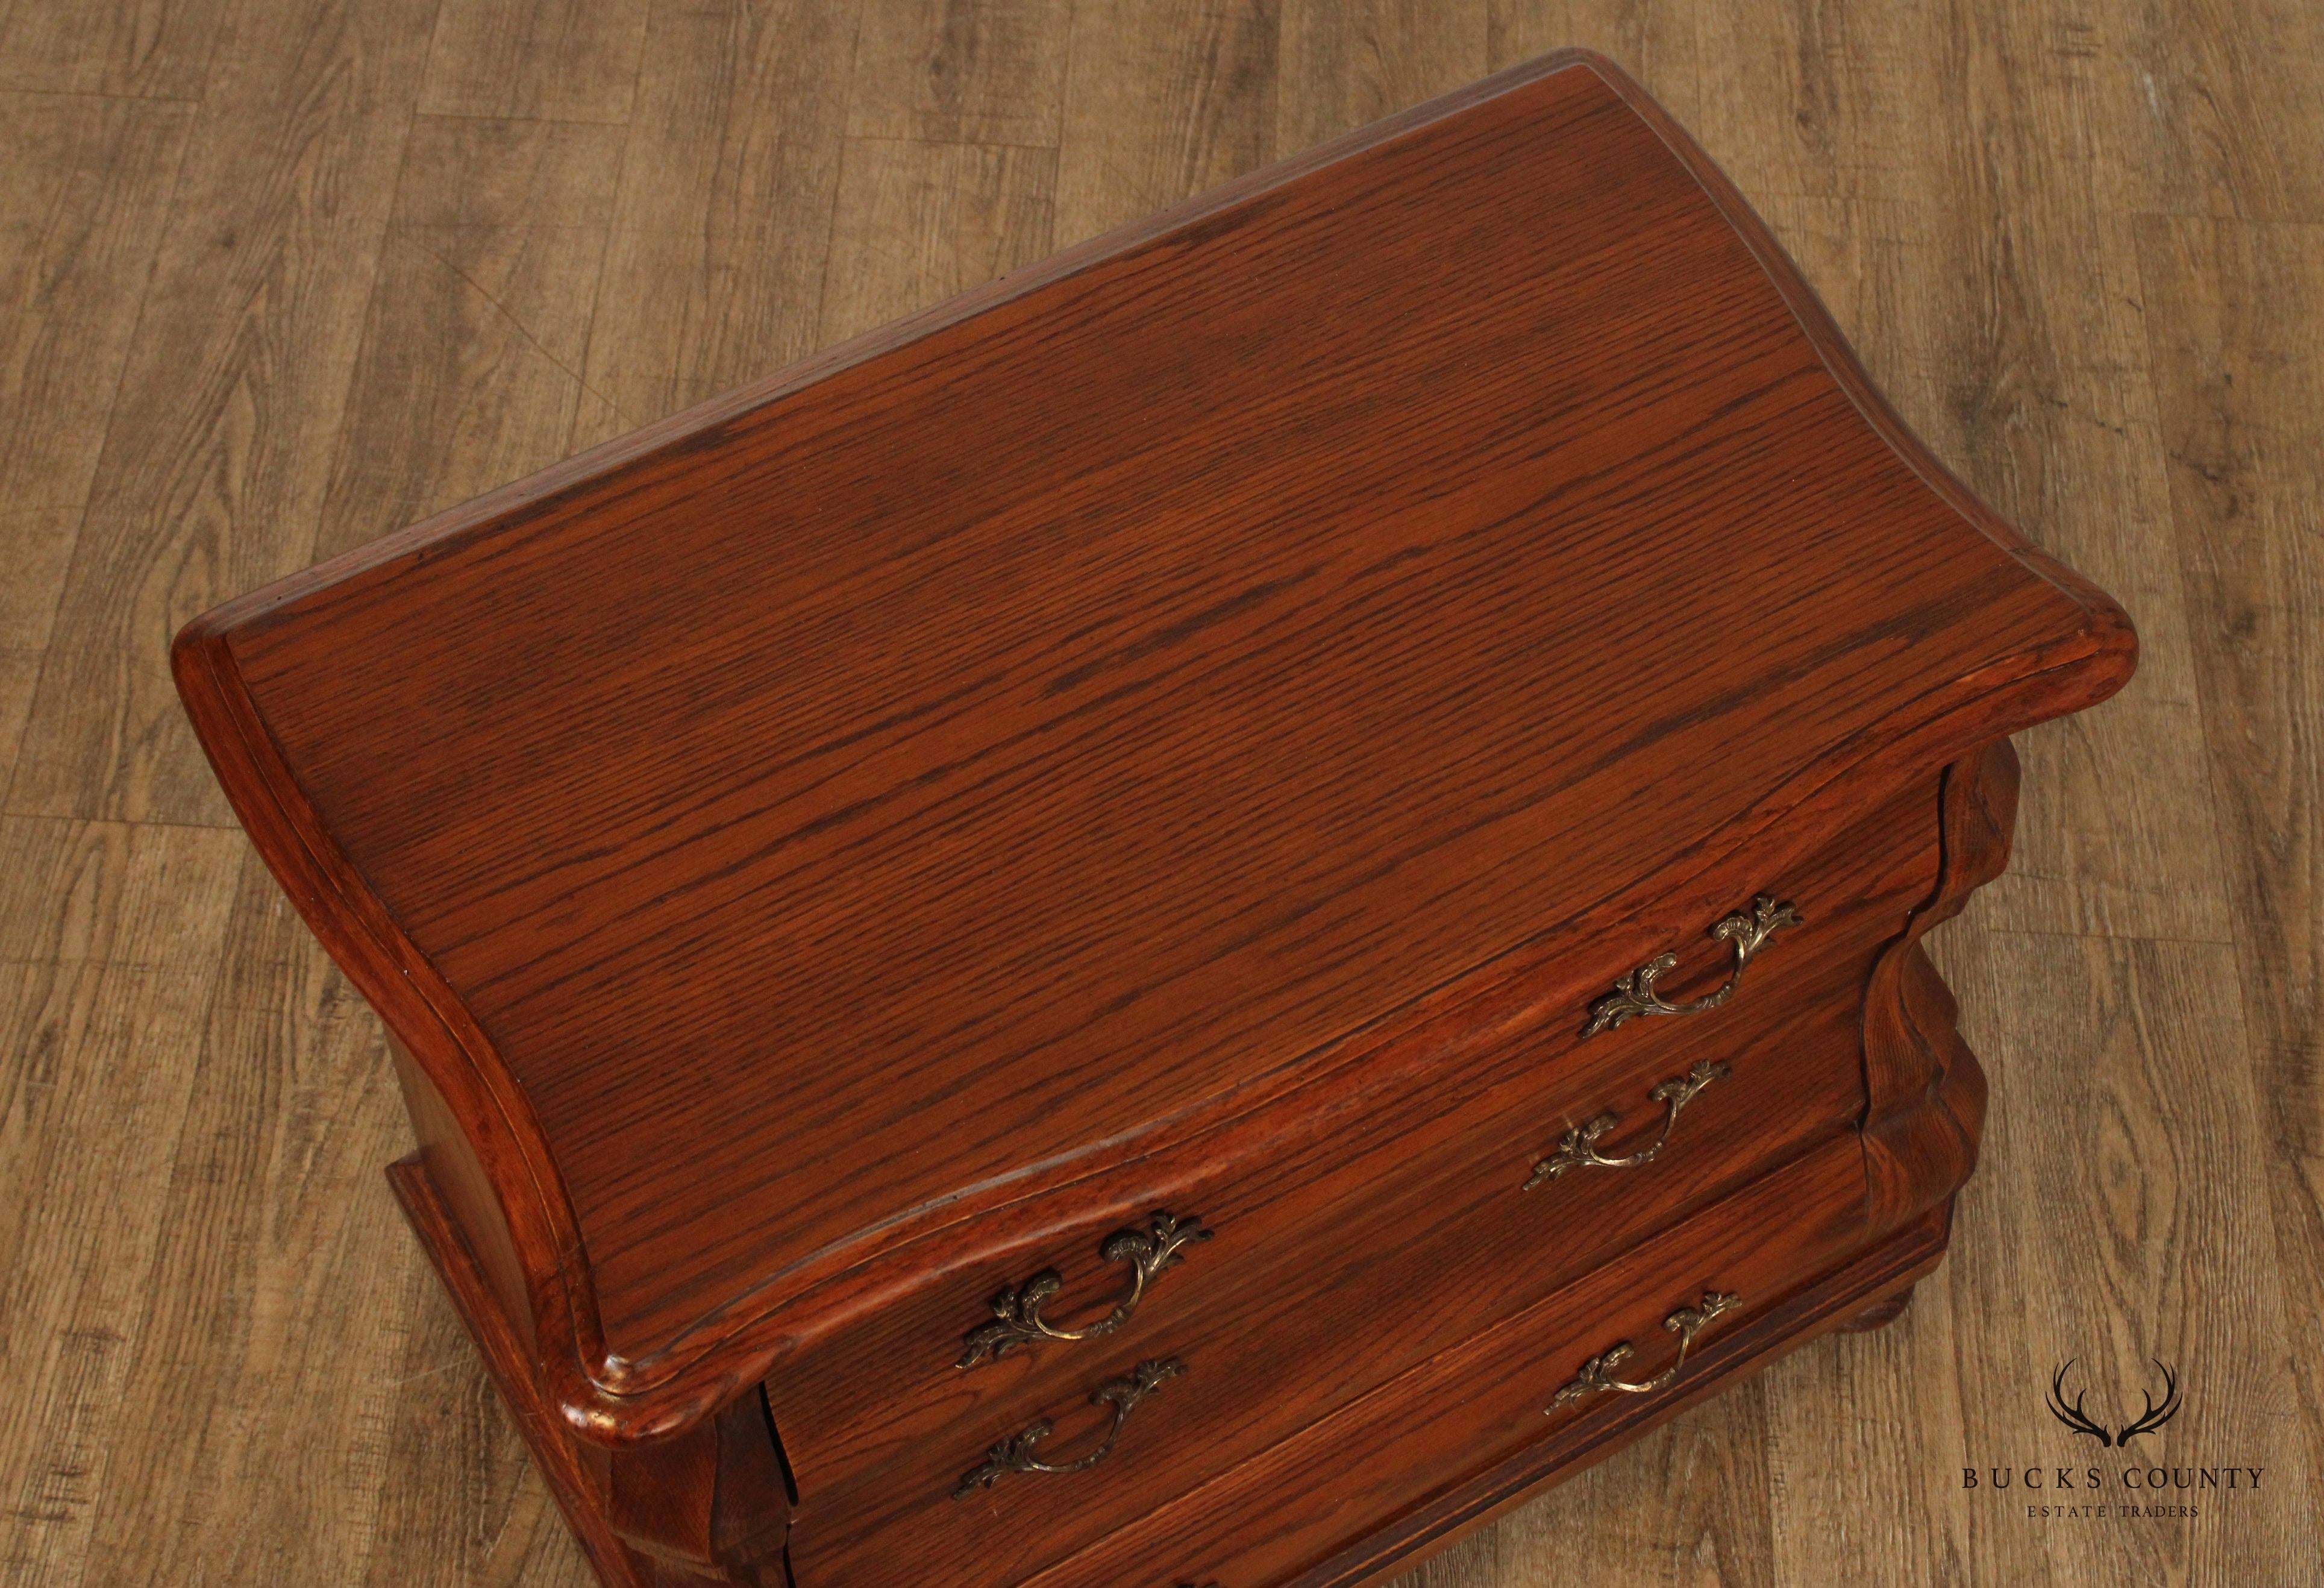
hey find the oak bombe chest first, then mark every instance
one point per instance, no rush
(1198, 916)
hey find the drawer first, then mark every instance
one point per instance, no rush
(1345, 1258)
(1193, 1430)
(1317, 1307)
(1438, 1439)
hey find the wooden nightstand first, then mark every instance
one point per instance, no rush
(1198, 916)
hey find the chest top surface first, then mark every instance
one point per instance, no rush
(966, 753)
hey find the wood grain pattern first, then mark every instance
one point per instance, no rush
(216, 454)
(1341, 66)
(110, 930)
(273, 1263)
(2037, 430)
(1873, 178)
(2228, 106)
(1661, 45)
(1296, 1305)
(915, 223)
(2236, 323)
(141, 49)
(1315, 1232)
(521, 909)
(722, 224)
(1162, 102)
(507, 1356)
(558, 61)
(479, 319)
(1925, 1094)
(960, 71)
(2055, 428)
(1279, 1518)
(2135, 1286)
(82, 206)
(474, 1507)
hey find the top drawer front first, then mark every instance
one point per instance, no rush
(882, 1416)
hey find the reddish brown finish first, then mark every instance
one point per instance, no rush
(1899, 1261)
(1330, 1325)
(1191, 725)
(1304, 1297)
(575, 1472)
(711, 1502)
(1278, 1518)
(1926, 1095)
(711, 1506)
(1879, 1315)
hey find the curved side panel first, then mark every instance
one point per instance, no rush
(518, 1185)
(1925, 1094)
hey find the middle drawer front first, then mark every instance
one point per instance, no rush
(1333, 1265)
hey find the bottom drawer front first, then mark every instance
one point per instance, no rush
(1424, 1435)
(1147, 1426)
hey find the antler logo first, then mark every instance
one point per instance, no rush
(2151, 1419)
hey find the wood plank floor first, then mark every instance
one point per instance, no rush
(277, 276)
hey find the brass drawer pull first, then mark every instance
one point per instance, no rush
(1579, 1148)
(1686, 1323)
(1015, 1454)
(1017, 1309)
(1635, 993)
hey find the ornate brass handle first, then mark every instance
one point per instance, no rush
(1598, 1373)
(1579, 1148)
(1015, 1454)
(1017, 1309)
(1635, 993)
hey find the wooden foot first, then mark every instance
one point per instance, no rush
(1881, 1312)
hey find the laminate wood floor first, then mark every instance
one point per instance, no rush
(277, 276)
